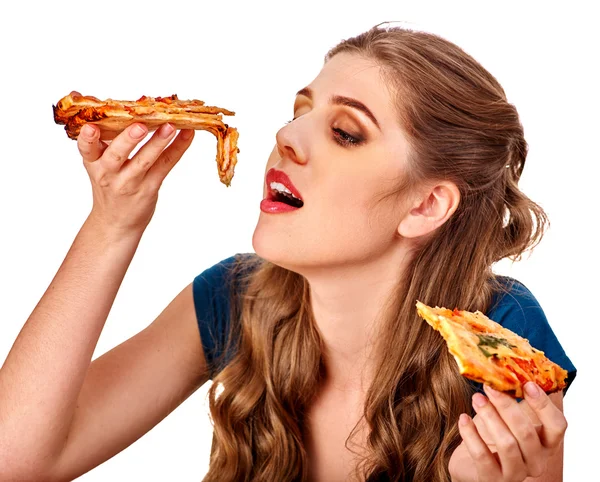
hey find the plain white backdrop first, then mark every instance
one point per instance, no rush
(252, 57)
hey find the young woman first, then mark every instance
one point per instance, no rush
(396, 180)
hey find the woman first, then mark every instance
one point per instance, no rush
(395, 181)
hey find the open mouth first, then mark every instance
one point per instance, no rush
(281, 190)
(279, 193)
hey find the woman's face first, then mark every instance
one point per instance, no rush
(342, 152)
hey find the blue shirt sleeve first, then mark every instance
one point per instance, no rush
(517, 309)
(212, 291)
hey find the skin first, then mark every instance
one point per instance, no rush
(350, 245)
(86, 412)
(352, 248)
(511, 441)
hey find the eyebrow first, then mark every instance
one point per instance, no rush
(341, 100)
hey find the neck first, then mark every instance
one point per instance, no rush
(347, 303)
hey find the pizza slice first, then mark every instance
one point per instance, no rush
(113, 116)
(486, 352)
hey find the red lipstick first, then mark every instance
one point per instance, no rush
(282, 195)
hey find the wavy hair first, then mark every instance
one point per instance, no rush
(461, 128)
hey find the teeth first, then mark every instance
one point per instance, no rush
(277, 186)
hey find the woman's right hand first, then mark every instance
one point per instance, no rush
(125, 191)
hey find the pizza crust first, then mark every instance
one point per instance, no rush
(114, 116)
(486, 352)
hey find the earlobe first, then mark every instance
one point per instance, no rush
(430, 210)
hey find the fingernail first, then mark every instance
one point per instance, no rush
(166, 130)
(137, 131)
(479, 400)
(532, 390)
(463, 420)
(187, 134)
(88, 131)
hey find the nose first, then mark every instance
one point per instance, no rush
(289, 143)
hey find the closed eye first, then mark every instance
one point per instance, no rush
(344, 139)
(340, 136)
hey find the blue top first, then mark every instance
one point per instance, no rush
(517, 309)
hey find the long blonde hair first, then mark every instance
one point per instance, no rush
(460, 128)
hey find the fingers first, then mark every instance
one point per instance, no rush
(153, 158)
(522, 447)
(509, 451)
(89, 144)
(554, 424)
(170, 157)
(150, 152)
(520, 434)
(117, 153)
(484, 461)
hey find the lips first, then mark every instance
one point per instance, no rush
(273, 175)
(282, 195)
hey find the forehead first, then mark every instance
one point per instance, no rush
(358, 77)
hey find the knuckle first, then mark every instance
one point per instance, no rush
(103, 181)
(85, 148)
(479, 454)
(507, 444)
(516, 473)
(144, 162)
(114, 157)
(521, 473)
(528, 434)
(125, 190)
(167, 158)
(562, 424)
(536, 469)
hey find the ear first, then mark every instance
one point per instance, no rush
(430, 210)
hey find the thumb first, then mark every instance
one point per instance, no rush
(89, 144)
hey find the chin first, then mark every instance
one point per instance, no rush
(287, 245)
(274, 244)
(268, 244)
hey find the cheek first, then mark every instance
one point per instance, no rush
(353, 211)
(357, 194)
(346, 216)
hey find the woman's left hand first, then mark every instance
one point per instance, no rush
(501, 443)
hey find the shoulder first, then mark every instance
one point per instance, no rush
(214, 290)
(515, 307)
(223, 275)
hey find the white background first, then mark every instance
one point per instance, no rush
(252, 57)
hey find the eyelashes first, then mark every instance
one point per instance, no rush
(345, 139)
(341, 137)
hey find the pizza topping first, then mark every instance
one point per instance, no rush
(493, 341)
(485, 352)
